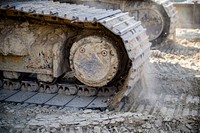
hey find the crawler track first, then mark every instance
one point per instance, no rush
(131, 33)
(172, 14)
(160, 21)
(176, 72)
(159, 17)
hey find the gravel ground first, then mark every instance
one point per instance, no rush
(171, 102)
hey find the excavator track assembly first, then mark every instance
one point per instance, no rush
(69, 55)
(159, 17)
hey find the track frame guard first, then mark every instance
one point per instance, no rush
(188, 14)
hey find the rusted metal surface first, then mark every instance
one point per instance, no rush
(188, 14)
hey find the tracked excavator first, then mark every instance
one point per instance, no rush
(157, 16)
(76, 55)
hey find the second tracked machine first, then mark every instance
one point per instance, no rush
(159, 17)
(69, 55)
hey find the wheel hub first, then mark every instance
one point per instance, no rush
(94, 61)
(152, 20)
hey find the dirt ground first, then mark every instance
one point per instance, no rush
(170, 103)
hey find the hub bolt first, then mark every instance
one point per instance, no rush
(82, 50)
(104, 52)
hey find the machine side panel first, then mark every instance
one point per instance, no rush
(32, 48)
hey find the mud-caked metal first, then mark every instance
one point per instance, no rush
(95, 63)
(157, 16)
(57, 48)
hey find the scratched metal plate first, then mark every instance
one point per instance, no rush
(6, 93)
(40, 98)
(20, 96)
(80, 102)
(59, 100)
(99, 102)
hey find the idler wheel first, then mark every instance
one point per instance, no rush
(94, 61)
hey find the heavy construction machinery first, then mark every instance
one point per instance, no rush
(189, 9)
(65, 54)
(157, 16)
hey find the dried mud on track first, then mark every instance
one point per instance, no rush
(170, 102)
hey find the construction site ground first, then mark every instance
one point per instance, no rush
(170, 101)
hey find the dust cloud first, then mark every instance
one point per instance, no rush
(149, 83)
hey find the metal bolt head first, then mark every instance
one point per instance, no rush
(111, 53)
(82, 50)
(104, 52)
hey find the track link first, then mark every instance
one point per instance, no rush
(160, 10)
(172, 13)
(130, 31)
